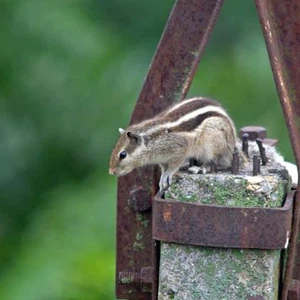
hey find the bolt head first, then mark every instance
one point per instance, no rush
(255, 132)
(140, 199)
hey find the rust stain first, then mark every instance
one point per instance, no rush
(168, 214)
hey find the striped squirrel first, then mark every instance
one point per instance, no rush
(196, 128)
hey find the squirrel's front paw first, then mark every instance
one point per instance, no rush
(163, 187)
(164, 183)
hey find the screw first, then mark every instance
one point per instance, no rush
(142, 279)
(256, 165)
(262, 152)
(140, 199)
(245, 143)
(255, 132)
(235, 162)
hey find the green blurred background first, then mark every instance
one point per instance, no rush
(71, 72)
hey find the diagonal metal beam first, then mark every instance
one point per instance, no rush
(170, 75)
(177, 56)
(280, 20)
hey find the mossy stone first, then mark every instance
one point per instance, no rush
(196, 273)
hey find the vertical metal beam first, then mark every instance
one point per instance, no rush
(280, 20)
(169, 78)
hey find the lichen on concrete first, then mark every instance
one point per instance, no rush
(224, 188)
(196, 273)
(190, 272)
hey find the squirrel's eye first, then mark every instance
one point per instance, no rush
(123, 154)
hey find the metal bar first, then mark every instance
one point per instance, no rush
(220, 226)
(177, 56)
(256, 165)
(168, 80)
(235, 162)
(262, 151)
(280, 20)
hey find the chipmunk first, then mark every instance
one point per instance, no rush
(196, 128)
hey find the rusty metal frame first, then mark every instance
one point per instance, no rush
(219, 226)
(280, 20)
(168, 80)
(170, 75)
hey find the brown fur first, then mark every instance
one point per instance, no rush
(209, 136)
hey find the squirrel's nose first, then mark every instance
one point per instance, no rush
(112, 171)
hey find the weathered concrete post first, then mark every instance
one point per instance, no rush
(196, 273)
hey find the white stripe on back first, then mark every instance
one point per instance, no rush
(188, 117)
(183, 103)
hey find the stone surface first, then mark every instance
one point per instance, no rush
(189, 272)
(196, 273)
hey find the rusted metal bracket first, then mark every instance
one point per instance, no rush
(220, 226)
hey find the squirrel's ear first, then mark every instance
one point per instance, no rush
(121, 130)
(134, 136)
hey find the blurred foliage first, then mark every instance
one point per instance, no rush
(70, 73)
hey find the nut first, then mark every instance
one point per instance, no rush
(140, 199)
